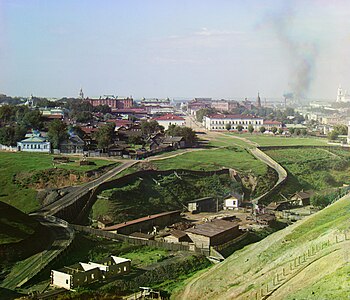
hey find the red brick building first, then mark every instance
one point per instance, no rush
(119, 103)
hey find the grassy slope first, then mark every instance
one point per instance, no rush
(312, 168)
(14, 225)
(12, 163)
(154, 194)
(233, 157)
(247, 269)
(268, 140)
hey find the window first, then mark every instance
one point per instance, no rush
(67, 281)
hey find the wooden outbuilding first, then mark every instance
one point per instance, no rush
(213, 233)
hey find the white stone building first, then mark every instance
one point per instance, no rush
(342, 95)
(34, 143)
(85, 273)
(219, 122)
(231, 203)
(170, 119)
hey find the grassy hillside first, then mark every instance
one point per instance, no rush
(231, 157)
(153, 194)
(307, 260)
(313, 168)
(25, 165)
(270, 140)
(14, 225)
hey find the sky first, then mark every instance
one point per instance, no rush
(174, 48)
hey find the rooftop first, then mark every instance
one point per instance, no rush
(213, 228)
(218, 116)
(201, 199)
(151, 217)
(169, 117)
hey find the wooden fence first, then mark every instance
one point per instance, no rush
(132, 240)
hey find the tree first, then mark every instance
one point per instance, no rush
(6, 135)
(148, 128)
(333, 135)
(341, 129)
(84, 116)
(228, 127)
(250, 129)
(291, 130)
(77, 131)
(187, 133)
(280, 130)
(57, 133)
(135, 139)
(274, 129)
(304, 132)
(204, 112)
(32, 119)
(240, 128)
(262, 129)
(104, 136)
(102, 108)
(6, 113)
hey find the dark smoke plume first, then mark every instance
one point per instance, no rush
(302, 53)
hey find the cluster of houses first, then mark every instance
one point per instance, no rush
(212, 233)
(125, 114)
(81, 274)
(37, 141)
(127, 125)
(202, 236)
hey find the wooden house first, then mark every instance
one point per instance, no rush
(177, 236)
(303, 198)
(206, 204)
(213, 233)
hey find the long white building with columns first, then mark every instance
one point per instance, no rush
(219, 122)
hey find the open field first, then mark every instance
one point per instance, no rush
(313, 168)
(14, 163)
(237, 158)
(296, 250)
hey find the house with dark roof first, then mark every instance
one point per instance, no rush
(176, 236)
(73, 144)
(206, 204)
(302, 197)
(177, 142)
(213, 233)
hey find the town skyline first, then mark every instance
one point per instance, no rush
(218, 49)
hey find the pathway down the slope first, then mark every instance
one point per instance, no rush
(70, 198)
(282, 173)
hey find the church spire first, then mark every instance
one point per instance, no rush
(258, 101)
(81, 94)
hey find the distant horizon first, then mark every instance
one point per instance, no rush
(214, 48)
(252, 98)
